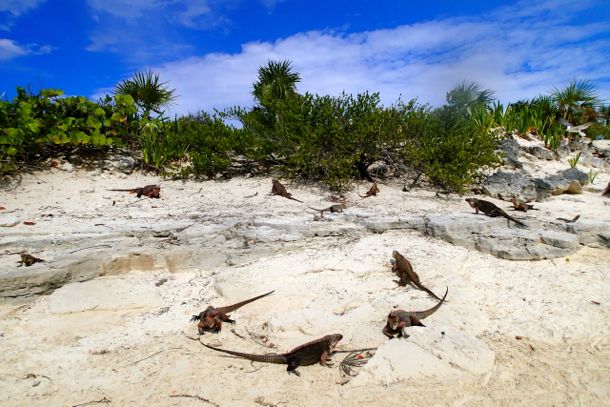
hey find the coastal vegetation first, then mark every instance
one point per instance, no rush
(328, 139)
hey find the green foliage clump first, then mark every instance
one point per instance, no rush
(335, 139)
(209, 142)
(203, 140)
(147, 91)
(577, 102)
(323, 138)
(599, 130)
(34, 126)
(330, 139)
(449, 147)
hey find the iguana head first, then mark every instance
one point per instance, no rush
(334, 339)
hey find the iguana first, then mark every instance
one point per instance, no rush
(27, 260)
(400, 319)
(331, 209)
(279, 189)
(310, 353)
(371, 192)
(490, 209)
(151, 191)
(404, 270)
(212, 318)
(522, 206)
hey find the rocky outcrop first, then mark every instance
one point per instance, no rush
(568, 181)
(510, 150)
(541, 240)
(506, 185)
(540, 152)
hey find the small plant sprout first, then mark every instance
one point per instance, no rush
(574, 161)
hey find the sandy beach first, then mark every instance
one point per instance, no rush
(106, 318)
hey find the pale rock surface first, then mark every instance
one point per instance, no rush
(123, 277)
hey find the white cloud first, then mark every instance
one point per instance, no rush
(194, 10)
(9, 49)
(18, 7)
(132, 10)
(518, 52)
(10, 10)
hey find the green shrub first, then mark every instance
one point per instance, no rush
(209, 142)
(35, 126)
(597, 130)
(448, 147)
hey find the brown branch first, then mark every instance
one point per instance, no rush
(194, 396)
(150, 356)
(103, 400)
(135, 202)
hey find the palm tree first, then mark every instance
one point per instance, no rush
(577, 102)
(275, 82)
(467, 94)
(148, 93)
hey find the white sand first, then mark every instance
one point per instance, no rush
(124, 338)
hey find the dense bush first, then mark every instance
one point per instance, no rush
(35, 126)
(447, 146)
(330, 139)
(203, 140)
(335, 139)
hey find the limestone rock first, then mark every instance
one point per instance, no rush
(567, 181)
(121, 163)
(506, 185)
(433, 351)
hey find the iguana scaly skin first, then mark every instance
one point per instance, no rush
(371, 192)
(522, 206)
(400, 319)
(490, 209)
(212, 318)
(151, 191)
(279, 189)
(27, 260)
(332, 209)
(404, 270)
(310, 353)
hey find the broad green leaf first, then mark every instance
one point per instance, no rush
(34, 126)
(13, 133)
(98, 139)
(82, 137)
(93, 122)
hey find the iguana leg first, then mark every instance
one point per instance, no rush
(325, 359)
(293, 363)
(388, 331)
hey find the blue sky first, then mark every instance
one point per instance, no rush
(210, 50)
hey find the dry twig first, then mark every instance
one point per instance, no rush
(194, 396)
(103, 400)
